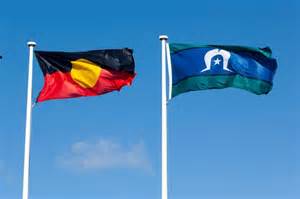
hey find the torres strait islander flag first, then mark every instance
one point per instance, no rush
(196, 67)
(90, 73)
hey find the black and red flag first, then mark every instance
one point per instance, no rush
(90, 73)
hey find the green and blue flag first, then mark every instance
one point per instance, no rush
(196, 67)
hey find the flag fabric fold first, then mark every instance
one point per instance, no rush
(196, 67)
(90, 73)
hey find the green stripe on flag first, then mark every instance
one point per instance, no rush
(220, 81)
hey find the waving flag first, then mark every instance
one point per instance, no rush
(76, 74)
(215, 67)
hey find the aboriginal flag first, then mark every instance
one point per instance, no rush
(90, 73)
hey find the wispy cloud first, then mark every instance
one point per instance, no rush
(105, 154)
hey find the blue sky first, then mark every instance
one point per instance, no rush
(223, 144)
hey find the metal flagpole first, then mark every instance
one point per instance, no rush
(31, 45)
(164, 150)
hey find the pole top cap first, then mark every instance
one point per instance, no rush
(163, 37)
(31, 44)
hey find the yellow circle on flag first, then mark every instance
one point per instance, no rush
(85, 73)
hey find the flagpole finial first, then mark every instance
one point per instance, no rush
(31, 44)
(163, 37)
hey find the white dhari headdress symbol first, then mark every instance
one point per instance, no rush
(212, 53)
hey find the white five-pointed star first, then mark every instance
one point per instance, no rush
(217, 61)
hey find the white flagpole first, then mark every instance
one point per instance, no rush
(169, 70)
(31, 45)
(164, 150)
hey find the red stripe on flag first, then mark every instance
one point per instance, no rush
(59, 85)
